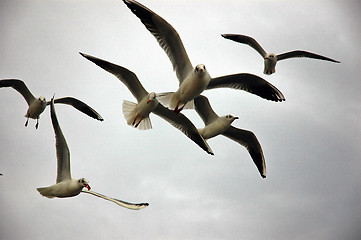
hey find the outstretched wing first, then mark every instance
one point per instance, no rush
(19, 86)
(246, 40)
(204, 109)
(133, 206)
(166, 36)
(182, 123)
(81, 106)
(300, 53)
(62, 150)
(124, 75)
(250, 83)
(249, 141)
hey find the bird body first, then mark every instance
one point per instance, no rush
(36, 107)
(137, 115)
(218, 126)
(68, 188)
(192, 86)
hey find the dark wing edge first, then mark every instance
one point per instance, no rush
(249, 140)
(19, 86)
(246, 40)
(81, 106)
(167, 37)
(132, 206)
(183, 124)
(300, 53)
(250, 83)
(204, 109)
(127, 77)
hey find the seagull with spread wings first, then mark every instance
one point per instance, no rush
(38, 105)
(66, 186)
(137, 114)
(270, 59)
(215, 125)
(194, 80)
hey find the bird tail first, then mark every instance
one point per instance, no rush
(167, 100)
(130, 115)
(45, 191)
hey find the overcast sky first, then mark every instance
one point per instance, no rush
(311, 142)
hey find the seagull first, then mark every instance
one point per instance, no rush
(137, 115)
(65, 185)
(194, 80)
(270, 59)
(37, 105)
(215, 125)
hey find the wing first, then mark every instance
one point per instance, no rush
(183, 124)
(246, 40)
(300, 53)
(250, 83)
(133, 206)
(19, 86)
(204, 109)
(81, 106)
(249, 141)
(166, 36)
(124, 75)
(62, 150)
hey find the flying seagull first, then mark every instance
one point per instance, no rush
(65, 185)
(137, 115)
(194, 80)
(270, 59)
(215, 125)
(37, 105)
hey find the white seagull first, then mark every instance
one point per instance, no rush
(270, 59)
(193, 81)
(65, 185)
(137, 115)
(37, 105)
(215, 125)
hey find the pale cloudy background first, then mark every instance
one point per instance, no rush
(311, 142)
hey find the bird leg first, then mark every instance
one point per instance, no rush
(37, 123)
(177, 110)
(139, 122)
(27, 121)
(134, 120)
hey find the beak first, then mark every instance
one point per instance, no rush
(149, 101)
(236, 117)
(87, 186)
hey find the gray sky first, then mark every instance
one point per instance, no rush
(311, 141)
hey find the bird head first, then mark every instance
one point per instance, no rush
(200, 68)
(151, 97)
(231, 118)
(84, 182)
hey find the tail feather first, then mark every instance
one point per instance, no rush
(129, 111)
(165, 99)
(45, 191)
(130, 114)
(145, 124)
